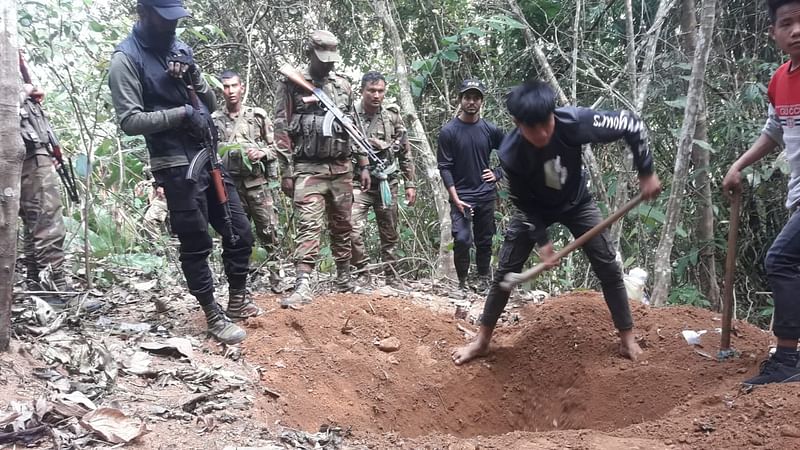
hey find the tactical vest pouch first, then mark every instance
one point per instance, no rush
(311, 143)
(28, 127)
(233, 161)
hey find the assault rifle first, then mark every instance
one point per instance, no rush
(208, 156)
(64, 171)
(332, 113)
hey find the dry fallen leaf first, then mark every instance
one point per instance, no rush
(139, 363)
(113, 425)
(181, 345)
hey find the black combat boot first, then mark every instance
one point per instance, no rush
(32, 277)
(483, 283)
(220, 327)
(241, 306)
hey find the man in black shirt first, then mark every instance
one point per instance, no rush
(542, 162)
(465, 144)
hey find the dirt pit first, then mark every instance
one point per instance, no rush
(556, 369)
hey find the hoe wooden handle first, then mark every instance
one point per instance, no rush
(511, 280)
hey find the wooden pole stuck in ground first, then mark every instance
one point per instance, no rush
(730, 274)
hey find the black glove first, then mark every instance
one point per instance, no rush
(180, 63)
(198, 122)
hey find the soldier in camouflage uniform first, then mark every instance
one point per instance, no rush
(319, 175)
(384, 128)
(251, 128)
(40, 198)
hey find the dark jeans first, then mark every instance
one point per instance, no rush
(783, 272)
(520, 239)
(192, 207)
(477, 227)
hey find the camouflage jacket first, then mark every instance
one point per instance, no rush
(388, 136)
(250, 128)
(298, 128)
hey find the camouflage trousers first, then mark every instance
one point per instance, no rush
(317, 195)
(40, 209)
(386, 218)
(259, 204)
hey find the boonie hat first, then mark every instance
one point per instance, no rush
(324, 45)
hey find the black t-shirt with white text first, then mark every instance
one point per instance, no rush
(551, 179)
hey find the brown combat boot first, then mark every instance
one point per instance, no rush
(276, 282)
(396, 282)
(301, 295)
(344, 282)
(241, 306)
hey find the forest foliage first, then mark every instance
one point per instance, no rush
(69, 43)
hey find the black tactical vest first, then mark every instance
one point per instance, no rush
(161, 91)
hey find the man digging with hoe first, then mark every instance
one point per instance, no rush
(542, 162)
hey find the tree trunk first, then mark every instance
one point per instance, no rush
(11, 154)
(704, 225)
(640, 83)
(530, 40)
(624, 168)
(427, 155)
(663, 261)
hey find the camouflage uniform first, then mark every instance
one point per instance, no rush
(386, 131)
(40, 198)
(320, 167)
(252, 128)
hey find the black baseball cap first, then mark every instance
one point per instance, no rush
(470, 84)
(168, 9)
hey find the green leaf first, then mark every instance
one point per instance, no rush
(451, 39)
(679, 102)
(97, 27)
(650, 212)
(82, 165)
(475, 31)
(223, 149)
(450, 55)
(212, 80)
(704, 145)
(513, 23)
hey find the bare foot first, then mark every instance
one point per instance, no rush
(467, 353)
(630, 350)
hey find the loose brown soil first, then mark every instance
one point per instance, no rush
(553, 380)
(557, 369)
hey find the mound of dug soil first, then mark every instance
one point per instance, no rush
(380, 364)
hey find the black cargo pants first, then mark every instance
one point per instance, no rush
(522, 234)
(192, 207)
